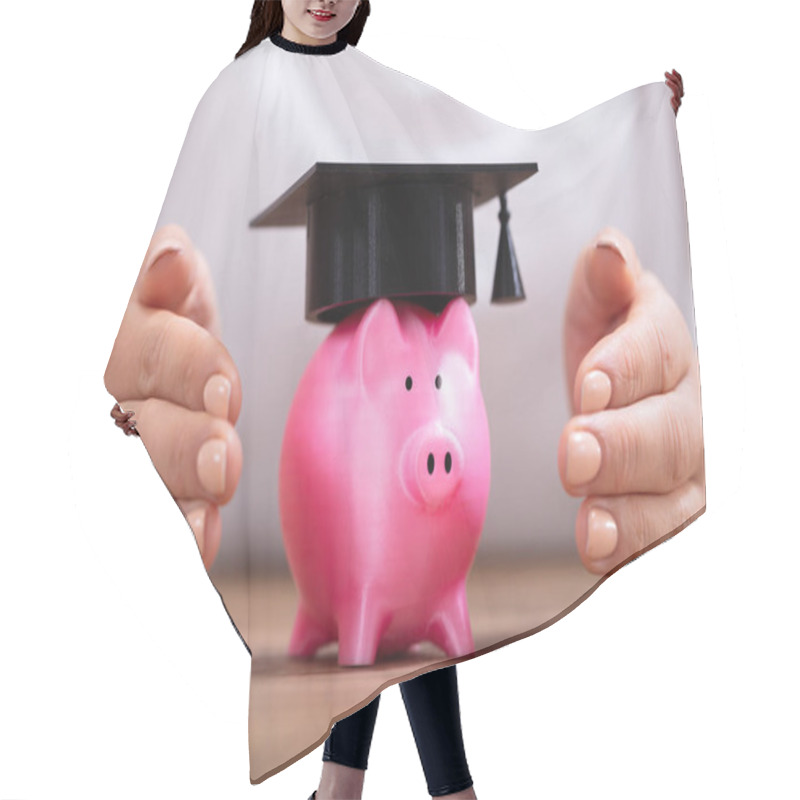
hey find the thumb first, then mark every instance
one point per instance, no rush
(603, 287)
(168, 270)
(175, 277)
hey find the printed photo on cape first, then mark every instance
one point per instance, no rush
(254, 134)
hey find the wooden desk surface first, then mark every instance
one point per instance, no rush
(293, 701)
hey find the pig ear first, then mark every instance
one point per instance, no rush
(457, 332)
(378, 341)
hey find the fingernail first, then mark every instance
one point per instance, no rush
(217, 396)
(583, 458)
(197, 522)
(610, 241)
(168, 246)
(602, 535)
(211, 463)
(595, 391)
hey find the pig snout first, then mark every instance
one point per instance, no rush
(433, 466)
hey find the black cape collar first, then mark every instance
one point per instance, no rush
(307, 49)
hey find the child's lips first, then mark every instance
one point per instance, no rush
(322, 16)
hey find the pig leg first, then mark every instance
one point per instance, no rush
(362, 624)
(308, 635)
(450, 628)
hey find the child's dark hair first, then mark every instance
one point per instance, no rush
(266, 18)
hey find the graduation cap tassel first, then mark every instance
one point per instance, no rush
(507, 278)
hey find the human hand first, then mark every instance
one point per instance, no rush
(634, 449)
(169, 367)
(675, 82)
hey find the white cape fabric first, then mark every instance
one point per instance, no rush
(264, 122)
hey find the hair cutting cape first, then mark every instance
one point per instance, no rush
(263, 123)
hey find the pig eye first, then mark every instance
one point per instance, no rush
(409, 383)
(438, 381)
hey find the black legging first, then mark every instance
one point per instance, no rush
(432, 706)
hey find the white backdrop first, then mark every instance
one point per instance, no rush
(119, 672)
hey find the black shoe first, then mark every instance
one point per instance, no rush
(313, 795)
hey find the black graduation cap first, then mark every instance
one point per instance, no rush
(396, 230)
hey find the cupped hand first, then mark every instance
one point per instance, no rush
(675, 83)
(634, 448)
(169, 367)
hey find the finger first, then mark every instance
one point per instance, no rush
(197, 456)
(675, 83)
(165, 278)
(674, 75)
(649, 353)
(675, 100)
(654, 445)
(611, 530)
(204, 521)
(158, 354)
(175, 277)
(603, 286)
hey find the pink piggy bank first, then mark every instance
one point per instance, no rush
(384, 482)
